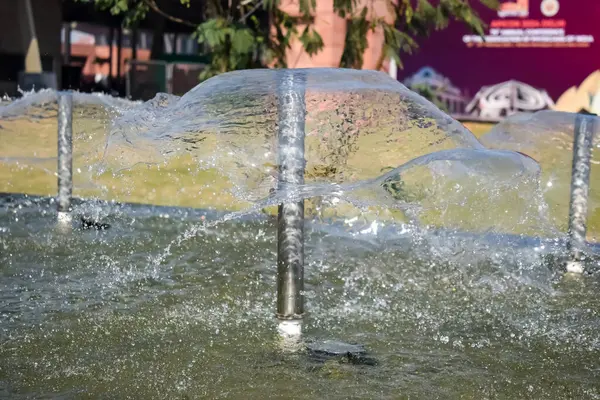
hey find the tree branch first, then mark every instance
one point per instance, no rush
(152, 4)
(243, 19)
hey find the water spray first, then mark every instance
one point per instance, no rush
(65, 156)
(290, 216)
(580, 185)
(290, 229)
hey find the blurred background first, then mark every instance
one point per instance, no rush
(478, 60)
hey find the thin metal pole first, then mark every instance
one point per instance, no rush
(290, 218)
(134, 43)
(65, 154)
(111, 39)
(580, 184)
(119, 53)
(33, 63)
(68, 30)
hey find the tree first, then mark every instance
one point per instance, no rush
(243, 34)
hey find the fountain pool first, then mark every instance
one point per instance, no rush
(439, 255)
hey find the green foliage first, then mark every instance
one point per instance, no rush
(356, 40)
(242, 34)
(132, 10)
(232, 45)
(311, 40)
(413, 19)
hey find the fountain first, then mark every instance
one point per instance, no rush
(580, 182)
(290, 215)
(401, 256)
(65, 157)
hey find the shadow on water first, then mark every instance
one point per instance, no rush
(438, 254)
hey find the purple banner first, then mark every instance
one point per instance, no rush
(550, 45)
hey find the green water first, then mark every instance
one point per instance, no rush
(93, 314)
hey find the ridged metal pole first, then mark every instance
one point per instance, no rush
(290, 218)
(65, 155)
(580, 184)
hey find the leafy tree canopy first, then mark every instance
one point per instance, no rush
(243, 34)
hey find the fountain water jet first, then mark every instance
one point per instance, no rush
(449, 312)
(562, 144)
(291, 138)
(580, 183)
(290, 217)
(65, 157)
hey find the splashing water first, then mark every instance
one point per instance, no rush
(547, 136)
(430, 248)
(349, 113)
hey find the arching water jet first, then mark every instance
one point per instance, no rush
(166, 306)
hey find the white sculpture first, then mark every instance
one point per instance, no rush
(507, 98)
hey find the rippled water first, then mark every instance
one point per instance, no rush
(88, 313)
(437, 252)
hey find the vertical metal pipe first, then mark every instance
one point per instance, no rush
(134, 43)
(111, 39)
(33, 61)
(393, 69)
(119, 57)
(580, 183)
(290, 218)
(65, 154)
(130, 74)
(68, 30)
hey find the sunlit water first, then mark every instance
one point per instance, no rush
(440, 255)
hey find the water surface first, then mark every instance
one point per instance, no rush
(89, 314)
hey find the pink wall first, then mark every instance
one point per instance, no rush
(332, 29)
